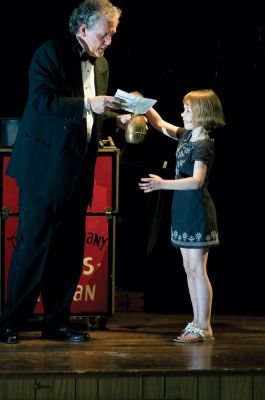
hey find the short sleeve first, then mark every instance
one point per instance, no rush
(204, 151)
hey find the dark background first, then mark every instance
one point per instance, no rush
(164, 51)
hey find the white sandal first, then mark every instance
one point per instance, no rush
(194, 329)
(188, 329)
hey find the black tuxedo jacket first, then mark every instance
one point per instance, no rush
(51, 141)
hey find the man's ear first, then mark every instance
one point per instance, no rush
(82, 31)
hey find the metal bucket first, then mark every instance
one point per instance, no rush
(136, 129)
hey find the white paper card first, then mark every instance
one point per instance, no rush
(133, 103)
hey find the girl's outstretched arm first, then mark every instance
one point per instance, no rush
(156, 121)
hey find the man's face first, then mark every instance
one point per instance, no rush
(98, 39)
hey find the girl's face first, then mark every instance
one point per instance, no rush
(187, 117)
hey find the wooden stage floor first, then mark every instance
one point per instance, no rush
(137, 349)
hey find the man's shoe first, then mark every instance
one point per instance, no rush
(9, 336)
(65, 333)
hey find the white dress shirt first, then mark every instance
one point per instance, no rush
(89, 91)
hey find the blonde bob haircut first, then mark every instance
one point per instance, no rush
(206, 107)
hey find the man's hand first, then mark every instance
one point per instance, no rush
(100, 104)
(122, 120)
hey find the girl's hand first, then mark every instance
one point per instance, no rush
(150, 184)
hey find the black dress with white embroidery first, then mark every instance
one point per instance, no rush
(194, 222)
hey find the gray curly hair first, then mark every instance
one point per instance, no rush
(89, 12)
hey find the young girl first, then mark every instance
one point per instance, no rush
(194, 225)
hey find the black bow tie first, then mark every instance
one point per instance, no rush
(84, 57)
